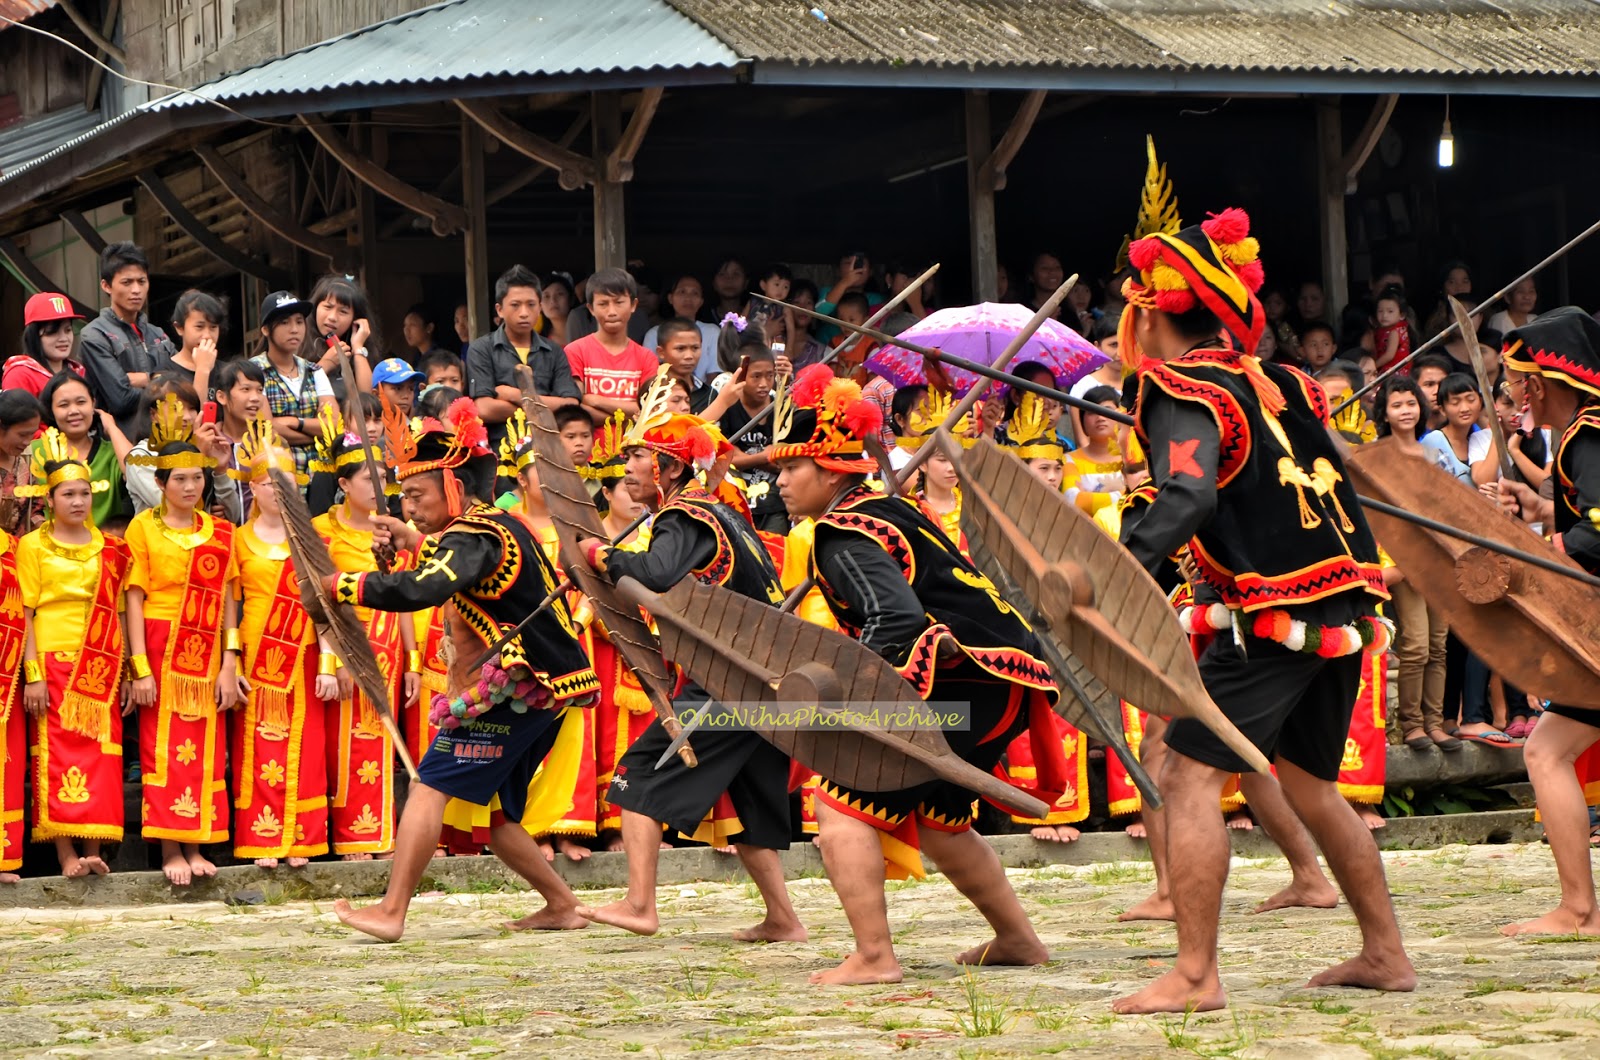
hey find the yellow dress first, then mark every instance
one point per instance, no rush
(359, 750)
(1092, 484)
(186, 577)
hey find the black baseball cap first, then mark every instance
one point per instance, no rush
(282, 304)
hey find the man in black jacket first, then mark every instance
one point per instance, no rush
(492, 359)
(120, 348)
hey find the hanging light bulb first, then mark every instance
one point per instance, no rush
(1447, 140)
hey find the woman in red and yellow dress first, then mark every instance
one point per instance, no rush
(70, 577)
(280, 757)
(183, 643)
(360, 750)
(13, 739)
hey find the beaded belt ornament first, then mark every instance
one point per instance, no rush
(1367, 633)
(494, 688)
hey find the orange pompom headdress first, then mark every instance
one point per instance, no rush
(1215, 264)
(446, 445)
(829, 422)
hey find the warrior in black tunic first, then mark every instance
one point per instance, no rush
(895, 582)
(1248, 477)
(487, 568)
(1556, 359)
(694, 534)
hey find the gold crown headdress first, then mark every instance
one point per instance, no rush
(169, 422)
(605, 460)
(260, 451)
(337, 450)
(928, 415)
(1158, 205)
(653, 411)
(1029, 432)
(53, 448)
(516, 449)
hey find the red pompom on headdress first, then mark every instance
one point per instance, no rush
(830, 421)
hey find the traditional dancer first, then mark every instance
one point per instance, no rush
(13, 740)
(1559, 354)
(1248, 476)
(900, 586)
(486, 567)
(280, 756)
(695, 534)
(1031, 435)
(360, 750)
(180, 591)
(71, 578)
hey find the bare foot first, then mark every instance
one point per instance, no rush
(1055, 833)
(1559, 921)
(614, 843)
(816, 840)
(546, 848)
(96, 864)
(440, 852)
(1156, 907)
(857, 970)
(1372, 973)
(266, 863)
(665, 845)
(1014, 952)
(1240, 821)
(73, 867)
(1319, 895)
(200, 866)
(548, 919)
(1136, 829)
(373, 920)
(571, 848)
(641, 920)
(298, 863)
(10, 877)
(176, 869)
(1174, 993)
(355, 857)
(1369, 817)
(770, 931)
(726, 850)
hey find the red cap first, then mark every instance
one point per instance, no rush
(47, 305)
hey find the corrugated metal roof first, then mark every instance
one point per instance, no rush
(462, 40)
(21, 10)
(28, 140)
(1548, 38)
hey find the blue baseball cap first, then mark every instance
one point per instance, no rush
(395, 372)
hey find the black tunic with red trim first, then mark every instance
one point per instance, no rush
(694, 533)
(488, 563)
(1261, 500)
(1577, 470)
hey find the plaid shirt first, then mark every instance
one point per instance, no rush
(285, 400)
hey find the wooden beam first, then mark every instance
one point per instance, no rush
(30, 275)
(476, 249)
(86, 231)
(446, 217)
(994, 169)
(619, 163)
(1377, 121)
(610, 240)
(271, 217)
(1330, 206)
(538, 169)
(574, 171)
(213, 244)
(90, 30)
(108, 29)
(980, 199)
(371, 140)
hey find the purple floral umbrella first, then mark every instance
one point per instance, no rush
(978, 333)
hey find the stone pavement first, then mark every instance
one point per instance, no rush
(282, 978)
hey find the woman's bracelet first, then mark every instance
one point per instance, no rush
(32, 672)
(140, 664)
(327, 665)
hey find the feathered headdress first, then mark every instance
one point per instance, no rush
(927, 417)
(1029, 432)
(653, 411)
(336, 448)
(516, 449)
(608, 460)
(830, 421)
(1158, 205)
(169, 422)
(53, 448)
(260, 450)
(446, 445)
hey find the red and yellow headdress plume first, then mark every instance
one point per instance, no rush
(606, 460)
(830, 421)
(448, 443)
(516, 449)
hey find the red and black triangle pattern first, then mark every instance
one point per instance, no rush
(886, 534)
(1252, 591)
(1234, 428)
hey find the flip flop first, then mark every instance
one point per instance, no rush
(1492, 738)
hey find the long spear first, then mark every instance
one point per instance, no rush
(1455, 326)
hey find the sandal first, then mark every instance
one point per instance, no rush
(1492, 738)
(1518, 729)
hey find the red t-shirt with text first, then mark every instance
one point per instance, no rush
(602, 373)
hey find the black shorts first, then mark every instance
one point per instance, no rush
(496, 756)
(1292, 705)
(1586, 715)
(754, 773)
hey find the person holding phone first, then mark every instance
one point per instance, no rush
(855, 271)
(343, 325)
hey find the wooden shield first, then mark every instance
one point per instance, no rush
(746, 652)
(1536, 629)
(1075, 577)
(333, 619)
(573, 512)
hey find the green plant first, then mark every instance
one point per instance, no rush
(1449, 798)
(986, 1014)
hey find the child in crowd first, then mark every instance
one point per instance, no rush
(609, 367)
(1317, 346)
(775, 282)
(1094, 472)
(751, 461)
(198, 321)
(395, 382)
(441, 368)
(1392, 339)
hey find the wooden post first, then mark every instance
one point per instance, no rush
(980, 199)
(1330, 199)
(369, 138)
(476, 242)
(610, 242)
